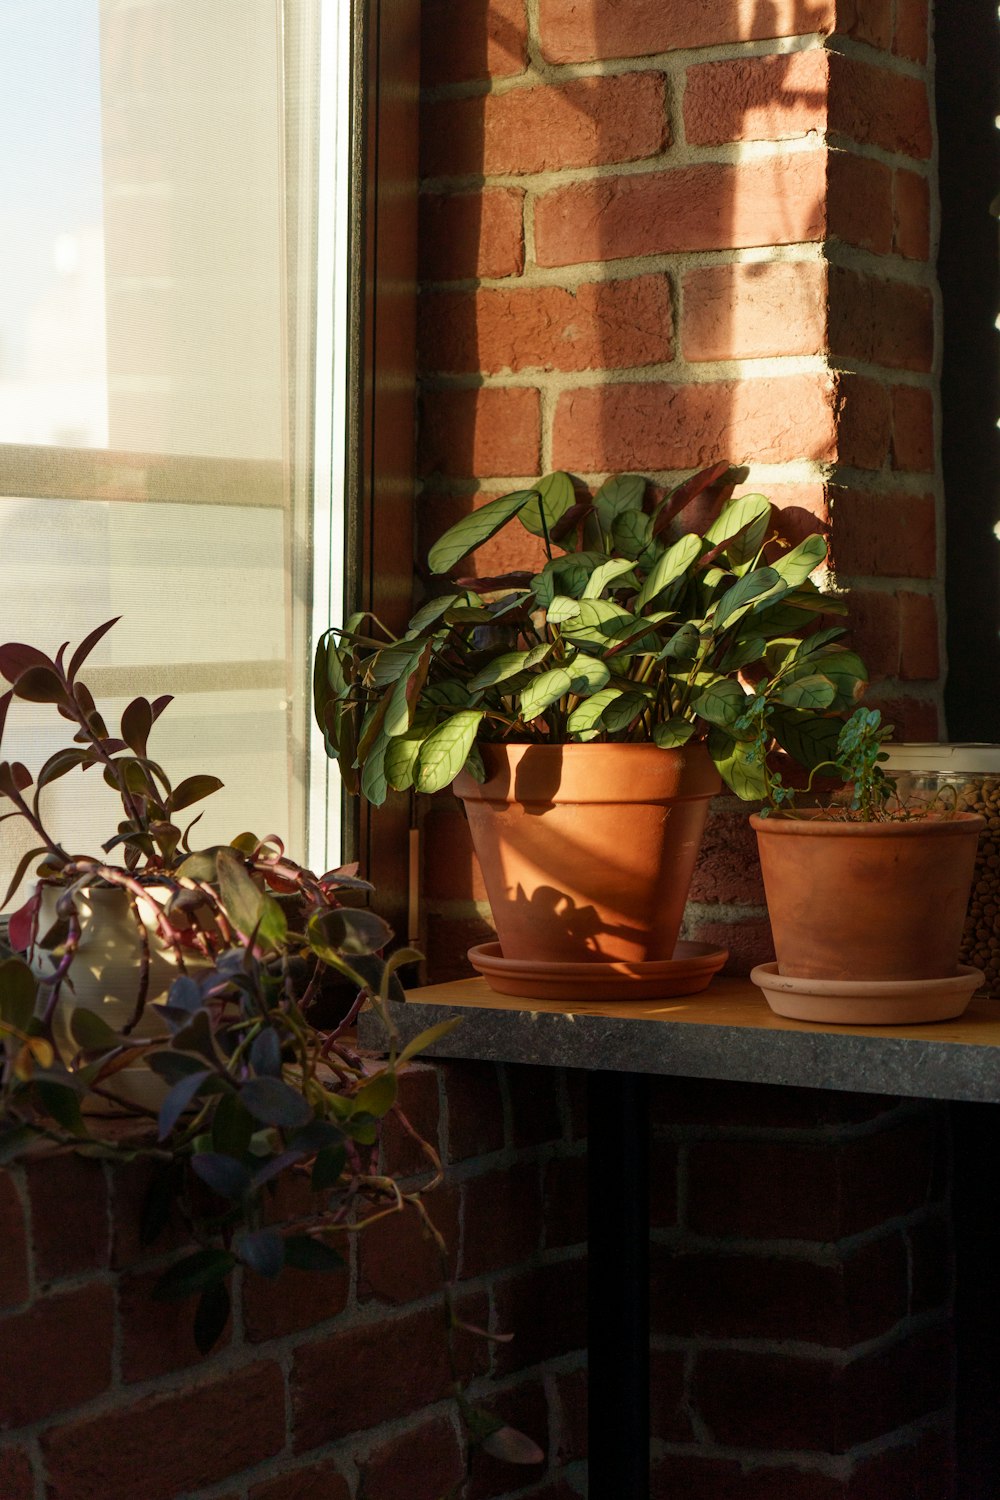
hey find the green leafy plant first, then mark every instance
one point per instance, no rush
(857, 761)
(633, 630)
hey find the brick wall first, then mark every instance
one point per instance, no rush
(332, 1385)
(655, 235)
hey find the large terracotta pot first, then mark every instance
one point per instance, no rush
(867, 901)
(587, 851)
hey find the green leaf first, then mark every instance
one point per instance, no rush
(431, 612)
(232, 1126)
(565, 575)
(62, 1103)
(585, 720)
(632, 533)
(752, 512)
(192, 789)
(192, 1274)
(242, 900)
(683, 645)
(91, 1032)
(445, 751)
(743, 651)
(672, 733)
(177, 1101)
(620, 493)
(616, 567)
(722, 702)
(844, 669)
(619, 716)
(736, 601)
(475, 529)
(401, 755)
(18, 987)
(40, 685)
(809, 739)
(740, 770)
(404, 696)
(500, 668)
(795, 567)
(425, 1039)
(305, 1253)
(555, 497)
(350, 930)
(671, 566)
(374, 782)
(377, 1096)
(275, 1103)
(812, 691)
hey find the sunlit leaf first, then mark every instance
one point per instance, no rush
(622, 492)
(556, 496)
(475, 529)
(740, 770)
(812, 691)
(795, 567)
(673, 564)
(721, 702)
(445, 751)
(585, 720)
(672, 733)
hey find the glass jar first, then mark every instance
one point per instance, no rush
(962, 778)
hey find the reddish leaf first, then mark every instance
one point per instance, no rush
(14, 777)
(40, 685)
(159, 704)
(496, 581)
(22, 923)
(686, 492)
(137, 721)
(569, 520)
(16, 658)
(5, 702)
(87, 645)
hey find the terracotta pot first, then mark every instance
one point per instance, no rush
(867, 901)
(587, 851)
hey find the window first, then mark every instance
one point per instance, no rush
(173, 381)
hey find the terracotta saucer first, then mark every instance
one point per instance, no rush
(867, 1002)
(689, 971)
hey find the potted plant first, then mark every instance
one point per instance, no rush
(867, 896)
(588, 712)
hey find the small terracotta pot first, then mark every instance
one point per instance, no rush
(587, 851)
(867, 901)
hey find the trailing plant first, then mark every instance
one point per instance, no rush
(255, 1087)
(857, 762)
(633, 630)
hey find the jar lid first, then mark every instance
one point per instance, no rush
(953, 759)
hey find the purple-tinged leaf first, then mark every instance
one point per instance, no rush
(14, 778)
(496, 581)
(40, 685)
(276, 1166)
(177, 1101)
(223, 1174)
(275, 1103)
(263, 1251)
(688, 491)
(57, 765)
(87, 645)
(5, 702)
(172, 1067)
(193, 789)
(265, 1053)
(19, 875)
(16, 659)
(159, 704)
(137, 721)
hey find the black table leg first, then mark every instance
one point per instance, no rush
(618, 1272)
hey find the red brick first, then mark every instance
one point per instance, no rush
(395, 1367)
(157, 1337)
(663, 1188)
(35, 1384)
(859, 202)
(915, 719)
(462, 40)
(753, 311)
(864, 425)
(524, 1408)
(487, 431)
(418, 1101)
(471, 234)
(778, 200)
(728, 868)
(448, 940)
(883, 534)
(546, 1311)
(535, 1117)
(912, 29)
(757, 98)
(546, 128)
(221, 1426)
(54, 1183)
(919, 653)
(597, 326)
(310, 1483)
(748, 938)
(911, 215)
(879, 108)
(292, 1301)
(129, 1190)
(683, 1102)
(698, 1477)
(422, 1464)
(669, 1414)
(571, 1414)
(866, 21)
(660, 426)
(591, 30)
(912, 429)
(13, 1246)
(398, 1261)
(770, 1401)
(475, 1109)
(502, 1219)
(17, 1482)
(860, 1296)
(564, 1201)
(821, 1192)
(882, 322)
(919, 1470)
(450, 870)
